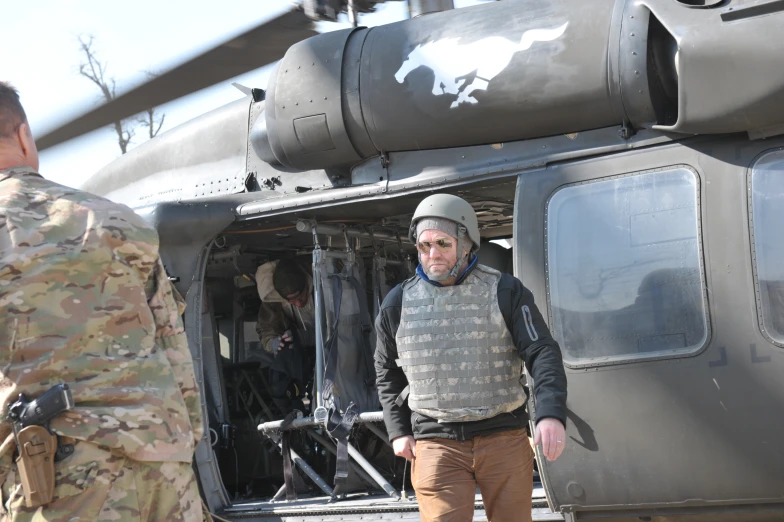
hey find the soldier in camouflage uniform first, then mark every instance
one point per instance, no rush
(451, 344)
(85, 301)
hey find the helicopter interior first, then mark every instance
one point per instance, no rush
(251, 463)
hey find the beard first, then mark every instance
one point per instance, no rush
(438, 276)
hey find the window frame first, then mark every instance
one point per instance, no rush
(753, 245)
(655, 356)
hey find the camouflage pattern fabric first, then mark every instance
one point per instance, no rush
(456, 351)
(96, 484)
(86, 301)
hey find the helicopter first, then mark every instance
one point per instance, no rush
(631, 154)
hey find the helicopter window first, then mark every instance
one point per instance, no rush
(767, 210)
(624, 267)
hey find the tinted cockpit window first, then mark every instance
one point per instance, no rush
(767, 208)
(624, 267)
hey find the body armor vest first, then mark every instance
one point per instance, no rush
(456, 350)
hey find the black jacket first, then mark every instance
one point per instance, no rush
(536, 346)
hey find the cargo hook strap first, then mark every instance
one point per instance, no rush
(339, 428)
(339, 425)
(331, 345)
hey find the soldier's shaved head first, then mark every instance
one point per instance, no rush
(17, 146)
(12, 115)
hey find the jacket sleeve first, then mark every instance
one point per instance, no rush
(390, 379)
(536, 346)
(167, 307)
(270, 325)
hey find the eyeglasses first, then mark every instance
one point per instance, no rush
(440, 244)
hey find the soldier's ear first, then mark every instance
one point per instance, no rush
(27, 144)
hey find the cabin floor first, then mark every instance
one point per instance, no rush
(363, 507)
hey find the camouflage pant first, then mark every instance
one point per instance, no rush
(95, 484)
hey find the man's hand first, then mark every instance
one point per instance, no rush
(405, 447)
(286, 339)
(552, 435)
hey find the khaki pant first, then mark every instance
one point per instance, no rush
(445, 474)
(96, 485)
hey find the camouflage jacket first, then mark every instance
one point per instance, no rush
(85, 300)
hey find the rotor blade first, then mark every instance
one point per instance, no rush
(255, 48)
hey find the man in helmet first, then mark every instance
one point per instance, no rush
(451, 344)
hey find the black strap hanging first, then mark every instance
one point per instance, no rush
(367, 329)
(339, 428)
(339, 424)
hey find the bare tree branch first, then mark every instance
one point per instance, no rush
(147, 119)
(95, 71)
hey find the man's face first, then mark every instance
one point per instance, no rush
(298, 299)
(437, 252)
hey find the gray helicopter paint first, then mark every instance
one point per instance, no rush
(539, 86)
(453, 63)
(263, 170)
(628, 65)
(367, 110)
(751, 8)
(448, 90)
(184, 229)
(727, 80)
(537, 94)
(423, 7)
(424, 170)
(304, 112)
(700, 430)
(409, 170)
(201, 158)
(207, 373)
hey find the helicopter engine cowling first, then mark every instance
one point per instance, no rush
(490, 73)
(510, 71)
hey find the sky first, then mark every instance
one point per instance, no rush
(42, 56)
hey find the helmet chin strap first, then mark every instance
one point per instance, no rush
(452, 274)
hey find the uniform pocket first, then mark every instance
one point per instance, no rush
(71, 478)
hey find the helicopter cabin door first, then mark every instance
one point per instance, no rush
(648, 271)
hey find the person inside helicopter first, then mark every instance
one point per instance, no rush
(286, 326)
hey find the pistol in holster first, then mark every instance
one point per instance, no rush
(36, 444)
